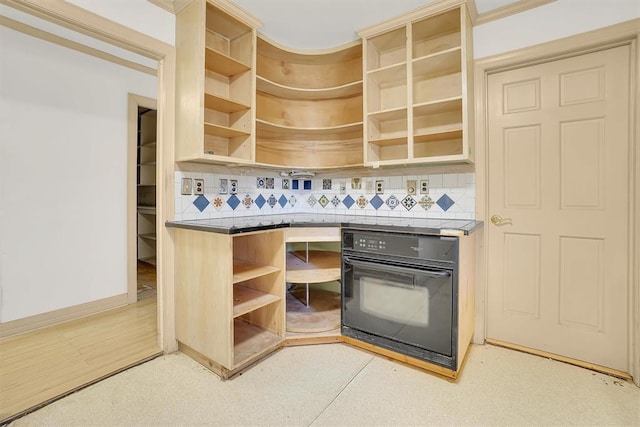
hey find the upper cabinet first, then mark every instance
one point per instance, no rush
(402, 95)
(418, 75)
(215, 83)
(309, 107)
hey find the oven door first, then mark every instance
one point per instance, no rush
(408, 305)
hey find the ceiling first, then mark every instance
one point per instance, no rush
(319, 24)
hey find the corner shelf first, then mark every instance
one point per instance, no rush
(322, 266)
(309, 106)
(282, 91)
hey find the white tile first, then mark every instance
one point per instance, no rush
(450, 180)
(435, 181)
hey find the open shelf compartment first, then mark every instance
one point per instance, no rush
(387, 49)
(322, 266)
(437, 33)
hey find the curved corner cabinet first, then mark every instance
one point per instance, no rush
(215, 75)
(418, 97)
(308, 107)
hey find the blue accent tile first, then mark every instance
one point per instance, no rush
(348, 201)
(376, 202)
(282, 200)
(307, 184)
(260, 201)
(201, 203)
(294, 184)
(233, 201)
(445, 202)
(272, 200)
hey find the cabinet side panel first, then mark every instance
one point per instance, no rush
(466, 292)
(190, 34)
(204, 276)
(467, 85)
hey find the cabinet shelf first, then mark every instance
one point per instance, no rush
(389, 142)
(439, 64)
(294, 93)
(389, 75)
(268, 130)
(246, 300)
(245, 270)
(147, 210)
(148, 236)
(251, 342)
(222, 104)
(222, 131)
(222, 64)
(323, 266)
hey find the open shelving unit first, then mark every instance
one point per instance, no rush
(146, 186)
(215, 74)
(418, 79)
(230, 297)
(308, 106)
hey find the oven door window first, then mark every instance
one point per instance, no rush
(402, 304)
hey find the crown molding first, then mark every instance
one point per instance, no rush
(508, 10)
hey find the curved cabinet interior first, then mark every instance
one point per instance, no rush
(215, 53)
(418, 81)
(308, 107)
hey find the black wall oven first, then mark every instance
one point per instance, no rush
(400, 292)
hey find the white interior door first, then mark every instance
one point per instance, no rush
(559, 177)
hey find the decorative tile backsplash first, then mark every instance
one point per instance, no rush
(449, 196)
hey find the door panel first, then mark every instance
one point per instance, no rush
(558, 171)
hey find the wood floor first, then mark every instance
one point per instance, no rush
(42, 365)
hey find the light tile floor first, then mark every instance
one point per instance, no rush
(337, 385)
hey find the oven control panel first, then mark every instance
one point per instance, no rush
(435, 248)
(364, 243)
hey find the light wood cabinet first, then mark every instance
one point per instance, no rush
(215, 75)
(308, 107)
(418, 76)
(229, 297)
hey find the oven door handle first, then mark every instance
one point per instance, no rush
(396, 269)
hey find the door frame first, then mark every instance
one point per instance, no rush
(133, 102)
(86, 22)
(625, 33)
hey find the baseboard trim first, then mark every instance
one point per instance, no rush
(31, 323)
(559, 358)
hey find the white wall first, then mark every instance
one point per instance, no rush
(63, 121)
(140, 15)
(562, 18)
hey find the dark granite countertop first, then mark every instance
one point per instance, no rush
(235, 225)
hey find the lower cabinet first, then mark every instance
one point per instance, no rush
(230, 307)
